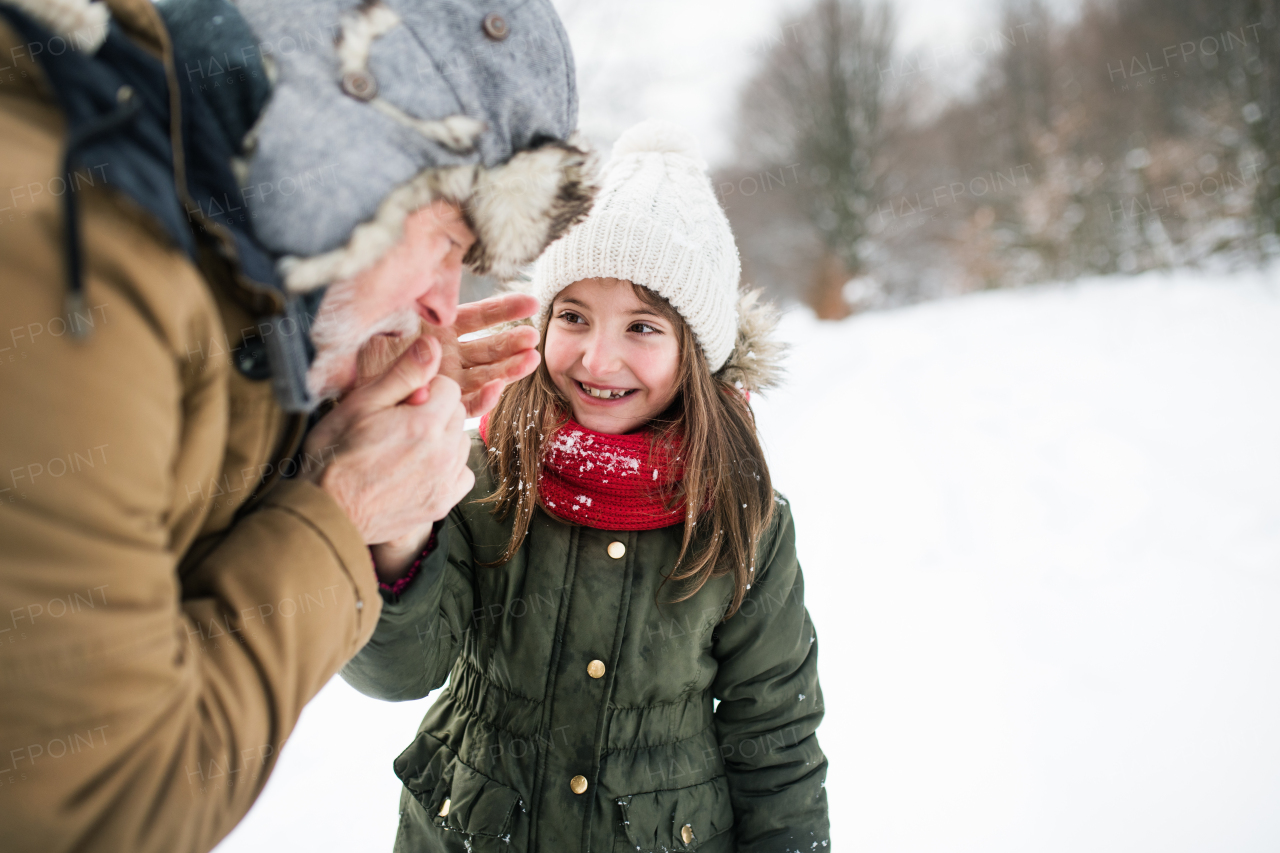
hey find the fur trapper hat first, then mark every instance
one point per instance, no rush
(380, 107)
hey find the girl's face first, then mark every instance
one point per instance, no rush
(613, 357)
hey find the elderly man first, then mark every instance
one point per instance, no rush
(206, 212)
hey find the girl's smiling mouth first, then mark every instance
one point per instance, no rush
(602, 395)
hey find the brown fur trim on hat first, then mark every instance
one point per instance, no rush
(518, 209)
(755, 363)
(515, 210)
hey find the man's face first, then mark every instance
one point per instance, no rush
(416, 281)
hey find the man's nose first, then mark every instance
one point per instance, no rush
(440, 302)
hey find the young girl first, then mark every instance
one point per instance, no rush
(617, 605)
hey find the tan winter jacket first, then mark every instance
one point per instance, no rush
(156, 649)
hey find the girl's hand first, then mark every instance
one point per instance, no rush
(484, 366)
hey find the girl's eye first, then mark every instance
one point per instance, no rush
(569, 317)
(644, 328)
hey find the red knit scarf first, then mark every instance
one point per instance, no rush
(604, 481)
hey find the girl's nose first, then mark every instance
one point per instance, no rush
(600, 356)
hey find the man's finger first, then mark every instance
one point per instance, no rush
(452, 493)
(443, 398)
(464, 451)
(458, 418)
(377, 355)
(474, 316)
(412, 370)
(497, 347)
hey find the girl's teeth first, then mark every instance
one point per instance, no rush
(603, 394)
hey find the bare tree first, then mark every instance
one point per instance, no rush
(1025, 69)
(820, 100)
(1253, 76)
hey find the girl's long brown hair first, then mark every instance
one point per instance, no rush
(720, 451)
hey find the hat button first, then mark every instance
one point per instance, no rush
(360, 84)
(495, 26)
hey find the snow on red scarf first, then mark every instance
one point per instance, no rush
(604, 481)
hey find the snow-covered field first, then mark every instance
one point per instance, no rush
(1040, 532)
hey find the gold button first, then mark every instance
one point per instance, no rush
(444, 807)
(578, 784)
(595, 669)
(616, 550)
(686, 833)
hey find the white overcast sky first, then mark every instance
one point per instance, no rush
(683, 60)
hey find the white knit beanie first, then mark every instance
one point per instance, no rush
(656, 222)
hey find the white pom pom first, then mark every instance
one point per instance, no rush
(657, 136)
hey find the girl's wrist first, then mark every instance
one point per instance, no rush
(395, 589)
(392, 561)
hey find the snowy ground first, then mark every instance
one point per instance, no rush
(1041, 537)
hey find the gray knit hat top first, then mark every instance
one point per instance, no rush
(379, 108)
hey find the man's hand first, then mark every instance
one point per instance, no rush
(399, 458)
(484, 366)
(479, 370)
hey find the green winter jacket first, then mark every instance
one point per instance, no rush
(561, 666)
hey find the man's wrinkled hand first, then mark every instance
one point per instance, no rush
(399, 457)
